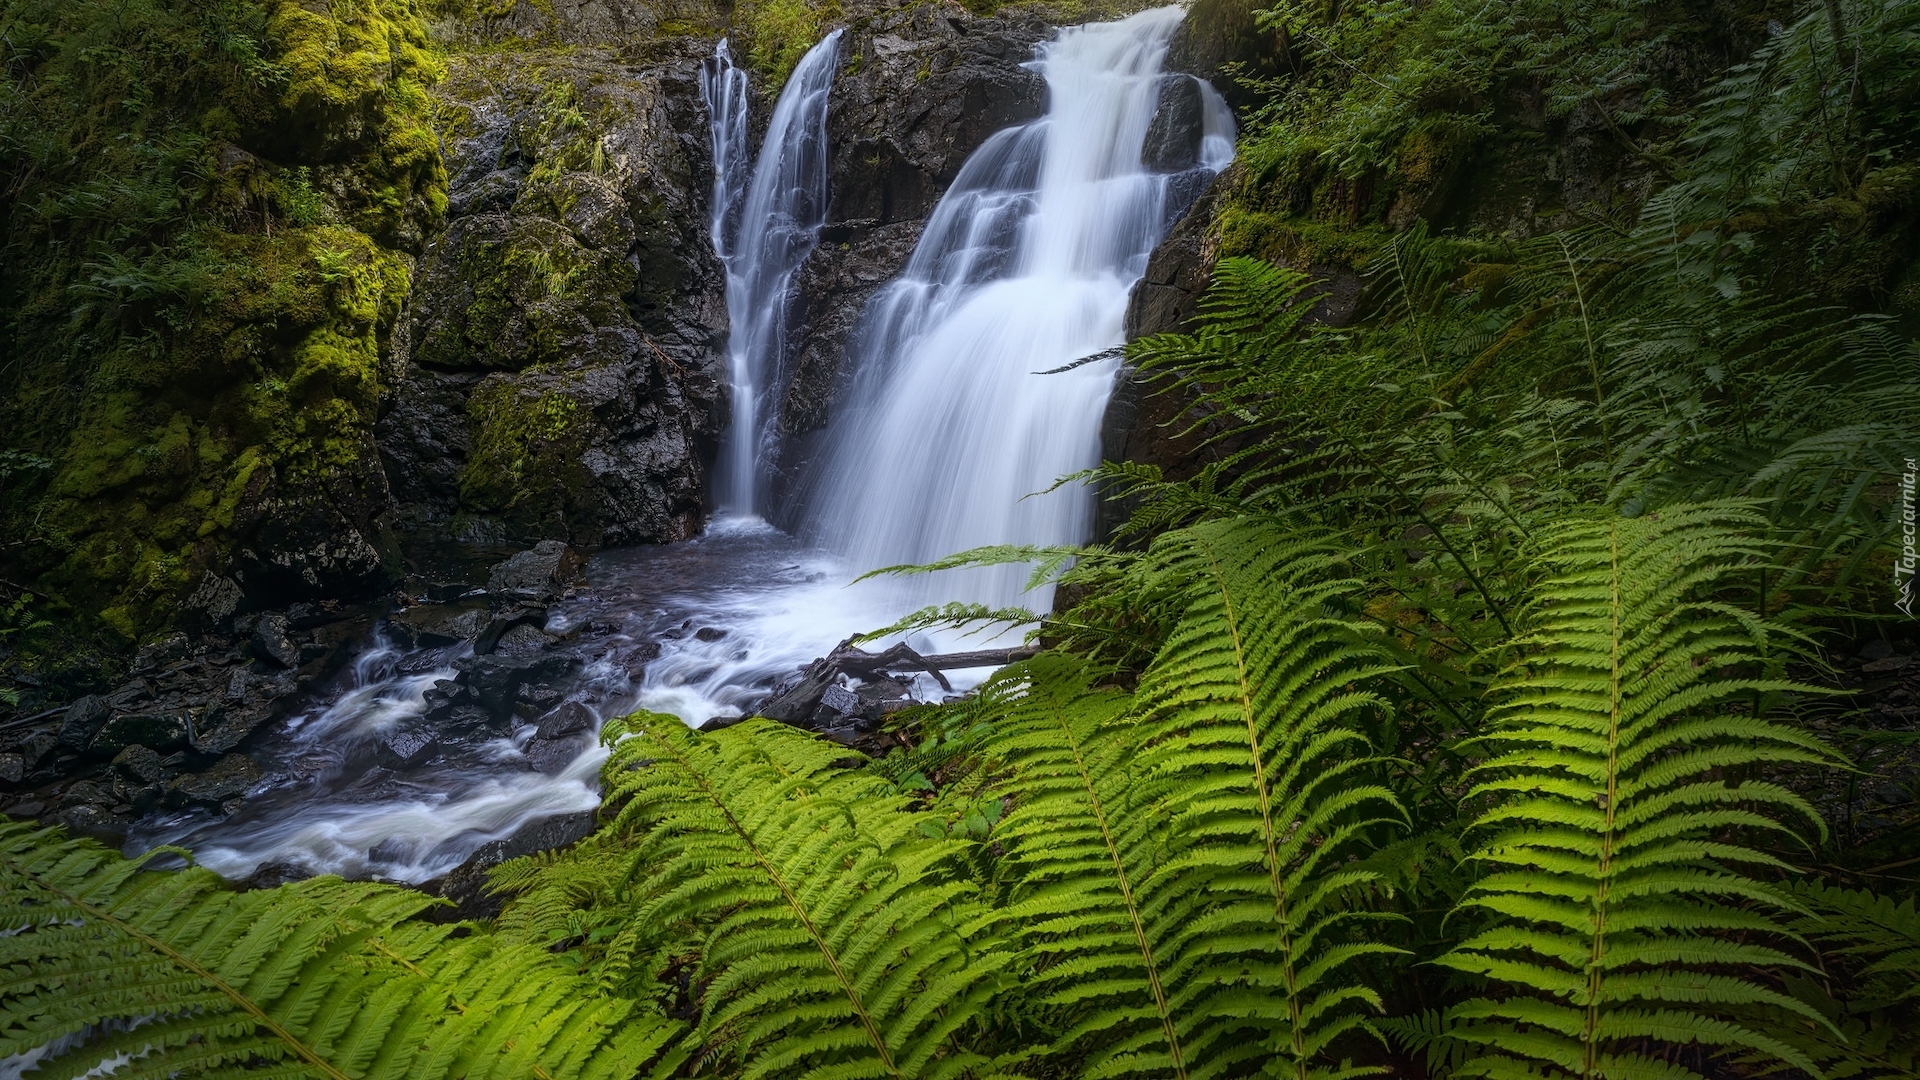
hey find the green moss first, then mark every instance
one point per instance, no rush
(527, 442)
(195, 314)
(779, 32)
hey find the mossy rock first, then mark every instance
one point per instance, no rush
(205, 317)
(508, 293)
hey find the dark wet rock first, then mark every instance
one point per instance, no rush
(163, 652)
(542, 573)
(82, 721)
(494, 680)
(535, 700)
(570, 718)
(130, 695)
(94, 819)
(140, 764)
(465, 885)
(249, 702)
(405, 747)
(229, 779)
(272, 875)
(523, 640)
(430, 625)
(709, 633)
(13, 768)
(156, 730)
(1174, 137)
(520, 616)
(270, 641)
(552, 756)
(303, 616)
(34, 747)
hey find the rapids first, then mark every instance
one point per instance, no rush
(958, 423)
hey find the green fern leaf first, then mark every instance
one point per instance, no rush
(1614, 889)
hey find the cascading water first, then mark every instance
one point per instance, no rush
(1024, 268)
(956, 415)
(763, 229)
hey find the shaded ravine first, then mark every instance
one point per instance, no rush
(1024, 267)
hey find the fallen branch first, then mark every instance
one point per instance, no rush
(859, 662)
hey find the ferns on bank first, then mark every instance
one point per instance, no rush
(1618, 909)
(176, 973)
(836, 938)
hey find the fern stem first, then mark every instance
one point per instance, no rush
(793, 903)
(306, 1053)
(1126, 895)
(1601, 879)
(1267, 830)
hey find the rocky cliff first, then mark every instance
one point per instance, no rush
(562, 378)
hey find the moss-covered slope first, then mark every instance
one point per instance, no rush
(211, 207)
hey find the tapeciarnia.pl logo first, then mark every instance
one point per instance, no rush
(1903, 566)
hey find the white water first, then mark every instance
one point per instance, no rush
(1024, 267)
(763, 229)
(953, 431)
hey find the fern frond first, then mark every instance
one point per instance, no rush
(323, 978)
(837, 942)
(1614, 895)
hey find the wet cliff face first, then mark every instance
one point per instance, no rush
(565, 376)
(561, 377)
(919, 90)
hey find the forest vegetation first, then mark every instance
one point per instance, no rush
(1472, 708)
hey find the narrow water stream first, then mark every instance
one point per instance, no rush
(956, 420)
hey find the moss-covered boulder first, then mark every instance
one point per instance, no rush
(212, 211)
(564, 377)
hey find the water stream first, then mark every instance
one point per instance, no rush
(956, 419)
(763, 227)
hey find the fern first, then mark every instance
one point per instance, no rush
(1617, 910)
(1251, 709)
(1178, 883)
(175, 973)
(835, 940)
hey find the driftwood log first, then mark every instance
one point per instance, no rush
(795, 703)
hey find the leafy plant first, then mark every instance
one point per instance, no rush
(1617, 907)
(835, 937)
(163, 974)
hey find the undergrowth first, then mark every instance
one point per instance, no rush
(1462, 717)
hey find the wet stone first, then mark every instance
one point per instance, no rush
(271, 642)
(82, 721)
(552, 756)
(438, 624)
(159, 731)
(13, 767)
(570, 718)
(406, 747)
(162, 652)
(540, 574)
(536, 699)
(140, 764)
(229, 779)
(272, 875)
(523, 640)
(840, 699)
(465, 885)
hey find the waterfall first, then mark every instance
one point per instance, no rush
(763, 228)
(957, 416)
(1023, 269)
